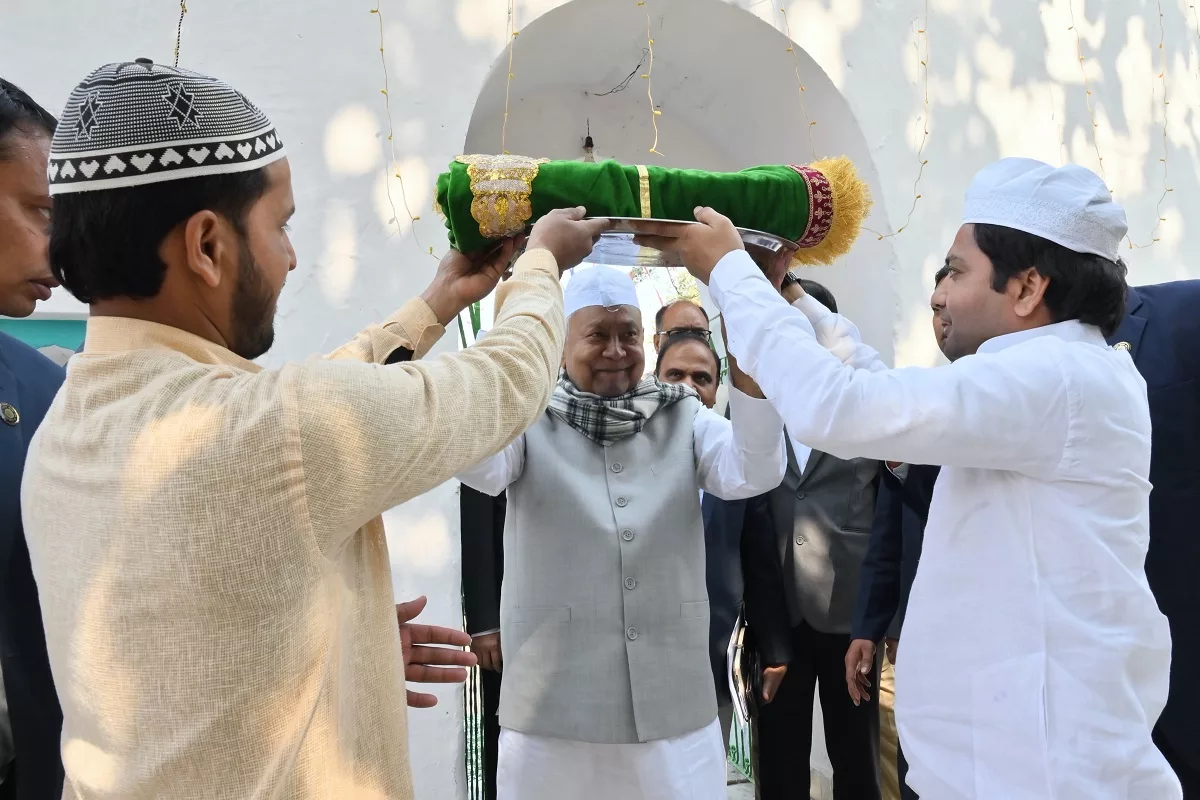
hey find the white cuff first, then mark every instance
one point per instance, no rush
(756, 418)
(485, 633)
(811, 307)
(734, 266)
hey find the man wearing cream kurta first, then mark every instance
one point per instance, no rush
(205, 533)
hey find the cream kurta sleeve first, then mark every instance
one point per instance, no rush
(372, 436)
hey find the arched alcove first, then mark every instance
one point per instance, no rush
(727, 89)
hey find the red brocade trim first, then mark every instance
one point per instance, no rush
(820, 206)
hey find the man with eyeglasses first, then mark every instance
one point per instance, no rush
(679, 316)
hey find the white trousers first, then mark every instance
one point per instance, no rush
(687, 767)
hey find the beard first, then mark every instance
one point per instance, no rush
(253, 313)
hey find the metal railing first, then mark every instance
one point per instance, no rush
(473, 714)
(739, 749)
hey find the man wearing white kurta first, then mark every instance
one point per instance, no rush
(607, 690)
(1035, 660)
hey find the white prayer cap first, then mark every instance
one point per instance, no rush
(599, 286)
(1068, 205)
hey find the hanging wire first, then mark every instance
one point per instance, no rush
(1087, 87)
(513, 33)
(1162, 77)
(387, 182)
(179, 29)
(922, 65)
(655, 113)
(791, 48)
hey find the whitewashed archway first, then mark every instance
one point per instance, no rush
(727, 88)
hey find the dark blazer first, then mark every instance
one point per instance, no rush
(822, 519)
(482, 536)
(28, 382)
(893, 551)
(742, 565)
(1162, 328)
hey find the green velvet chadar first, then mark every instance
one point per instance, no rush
(820, 207)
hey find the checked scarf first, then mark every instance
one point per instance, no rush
(605, 420)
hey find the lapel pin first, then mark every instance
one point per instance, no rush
(9, 414)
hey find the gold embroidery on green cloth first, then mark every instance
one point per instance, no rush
(644, 189)
(500, 188)
(437, 208)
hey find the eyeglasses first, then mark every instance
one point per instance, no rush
(705, 332)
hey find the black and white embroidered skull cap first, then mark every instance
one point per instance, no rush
(136, 122)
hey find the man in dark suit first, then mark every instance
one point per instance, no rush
(28, 382)
(482, 536)
(820, 518)
(888, 570)
(901, 511)
(743, 568)
(1161, 330)
(741, 565)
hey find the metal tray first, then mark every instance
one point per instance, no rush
(617, 249)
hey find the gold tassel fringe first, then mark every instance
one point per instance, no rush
(851, 204)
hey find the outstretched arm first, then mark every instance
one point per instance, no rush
(742, 458)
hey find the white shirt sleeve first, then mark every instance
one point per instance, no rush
(493, 475)
(743, 458)
(839, 335)
(1004, 410)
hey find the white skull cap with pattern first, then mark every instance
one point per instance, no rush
(1068, 205)
(137, 122)
(599, 286)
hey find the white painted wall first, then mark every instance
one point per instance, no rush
(1004, 79)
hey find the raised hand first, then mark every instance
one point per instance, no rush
(567, 235)
(462, 280)
(424, 663)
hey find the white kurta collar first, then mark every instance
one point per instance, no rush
(1071, 331)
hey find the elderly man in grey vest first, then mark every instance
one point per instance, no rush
(607, 690)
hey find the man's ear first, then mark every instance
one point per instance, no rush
(206, 246)
(1028, 289)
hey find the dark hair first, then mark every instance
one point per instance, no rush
(687, 336)
(105, 243)
(662, 312)
(819, 293)
(19, 112)
(1083, 286)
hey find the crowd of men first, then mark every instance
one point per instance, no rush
(197, 598)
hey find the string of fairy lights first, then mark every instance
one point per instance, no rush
(800, 89)
(512, 34)
(655, 111)
(1162, 78)
(1087, 87)
(922, 37)
(393, 164)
